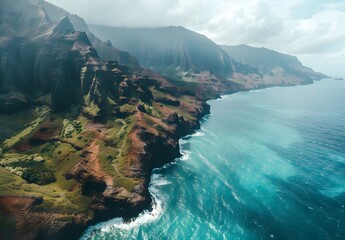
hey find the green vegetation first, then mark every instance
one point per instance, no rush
(187, 99)
(65, 218)
(119, 129)
(14, 123)
(180, 111)
(56, 199)
(151, 110)
(9, 143)
(6, 178)
(92, 109)
(127, 108)
(157, 94)
(38, 173)
(36, 160)
(29, 167)
(191, 86)
(45, 165)
(70, 127)
(114, 160)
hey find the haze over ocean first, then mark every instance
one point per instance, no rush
(267, 164)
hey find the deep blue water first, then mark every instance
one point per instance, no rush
(267, 164)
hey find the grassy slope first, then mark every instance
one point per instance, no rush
(69, 136)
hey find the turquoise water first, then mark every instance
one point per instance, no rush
(267, 164)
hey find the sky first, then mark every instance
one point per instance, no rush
(312, 30)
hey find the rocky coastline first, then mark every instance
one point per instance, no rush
(158, 152)
(81, 134)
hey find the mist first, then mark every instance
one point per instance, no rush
(311, 30)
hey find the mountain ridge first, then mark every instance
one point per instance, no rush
(83, 134)
(168, 47)
(153, 47)
(105, 51)
(266, 60)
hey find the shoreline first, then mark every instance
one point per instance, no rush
(154, 159)
(136, 221)
(148, 215)
(155, 210)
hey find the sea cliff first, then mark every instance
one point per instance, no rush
(80, 135)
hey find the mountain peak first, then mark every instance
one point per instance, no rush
(64, 25)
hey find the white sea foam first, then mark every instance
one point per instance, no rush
(184, 152)
(183, 141)
(204, 118)
(224, 97)
(199, 133)
(146, 217)
(185, 155)
(256, 90)
(227, 96)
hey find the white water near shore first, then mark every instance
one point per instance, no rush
(265, 165)
(157, 180)
(144, 218)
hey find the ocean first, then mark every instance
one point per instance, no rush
(266, 164)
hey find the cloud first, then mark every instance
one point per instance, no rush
(322, 32)
(250, 23)
(258, 24)
(300, 27)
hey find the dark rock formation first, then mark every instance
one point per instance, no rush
(51, 59)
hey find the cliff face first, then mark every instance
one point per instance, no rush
(189, 58)
(108, 52)
(84, 134)
(269, 62)
(105, 49)
(42, 59)
(34, 61)
(168, 48)
(90, 135)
